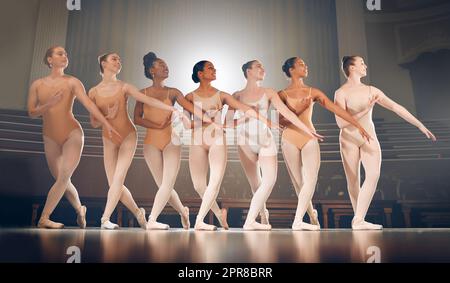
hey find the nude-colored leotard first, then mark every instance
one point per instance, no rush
(292, 134)
(213, 107)
(121, 122)
(58, 121)
(356, 103)
(254, 132)
(159, 138)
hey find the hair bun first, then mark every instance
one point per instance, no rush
(149, 57)
(148, 61)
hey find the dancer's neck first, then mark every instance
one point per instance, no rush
(56, 73)
(252, 85)
(354, 80)
(158, 83)
(109, 77)
(297, 83)
(205, 86)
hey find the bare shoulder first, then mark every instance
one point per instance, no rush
(73, 81)
(282, 92)
(189, 96)
(35, 84)
(223, 93)
(317, 93)
(175, 91)
(237, 94)
(341, 91)
(375, 90)
(269, 91)
(123, 84)
(91, 92)
(70, 78)
(127, 88)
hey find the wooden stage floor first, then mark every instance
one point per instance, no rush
(232, 246)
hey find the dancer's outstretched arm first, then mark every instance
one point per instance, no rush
(401, 111)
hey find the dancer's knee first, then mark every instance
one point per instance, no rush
(215, 184)
(200, 189)
(64, 178)
(270, 182)
(119, 178)
(372, 176)
(165, 188)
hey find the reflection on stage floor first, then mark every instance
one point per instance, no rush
(234, 246)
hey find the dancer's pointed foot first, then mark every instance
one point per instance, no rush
(265, 217)
(81, 217)
(300, 225)
(358, 224)
(185, 218)
(108, 225)
(48, 224)
(257, 226)
(202, 226)
(140, 216)
(314, 218)
(153, 225)
(223, 219)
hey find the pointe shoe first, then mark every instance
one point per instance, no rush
(185, 219)
(300, 225)
(314, 218)
(364, 225)
(140, 216)
(153, 225)
(255, 226)
(223, 219)
(46, 223)
(202, 226)
(265, 217)
(108, 225)
(81, 217)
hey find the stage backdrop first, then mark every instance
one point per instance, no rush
(228, 33)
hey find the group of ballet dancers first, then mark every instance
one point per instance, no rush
(52, 98)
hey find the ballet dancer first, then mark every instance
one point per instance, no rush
(359, 99)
